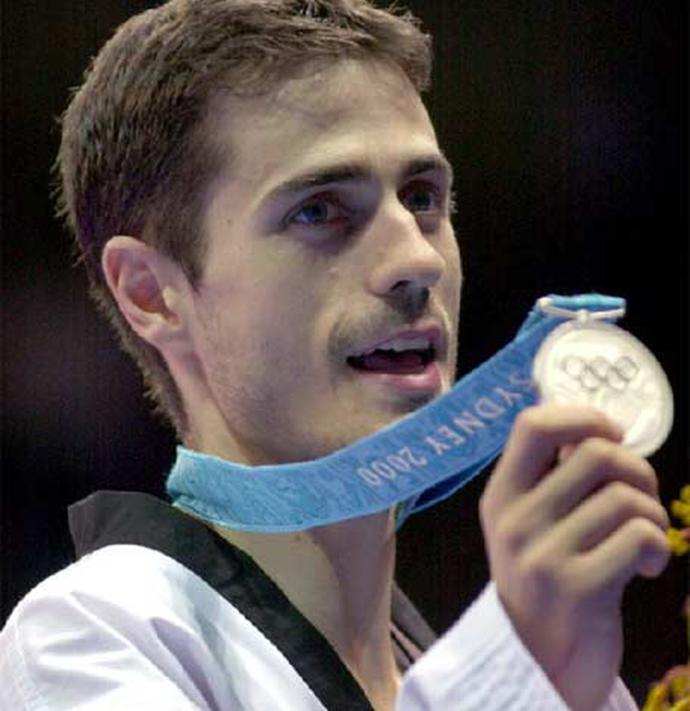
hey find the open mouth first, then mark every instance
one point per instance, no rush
(396, 357)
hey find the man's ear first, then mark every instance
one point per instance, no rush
(149, 289)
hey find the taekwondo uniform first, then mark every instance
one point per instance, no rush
(161, 613)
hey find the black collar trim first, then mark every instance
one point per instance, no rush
(111, 517)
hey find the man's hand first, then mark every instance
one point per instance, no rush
(569, 517)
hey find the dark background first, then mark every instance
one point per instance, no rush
(566, 123)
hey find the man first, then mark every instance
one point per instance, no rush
(264, 213)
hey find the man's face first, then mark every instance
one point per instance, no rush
(329, 300)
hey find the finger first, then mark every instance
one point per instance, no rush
(601, 515)
(638, 547)
(593, 464)
(537, 435)
(565, 451)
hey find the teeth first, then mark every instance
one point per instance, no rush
(402, 344)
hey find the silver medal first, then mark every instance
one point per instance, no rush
(589, 361)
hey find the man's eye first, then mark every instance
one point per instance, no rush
(423, 198)
(316, 213)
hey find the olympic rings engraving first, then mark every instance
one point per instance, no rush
(599, 372)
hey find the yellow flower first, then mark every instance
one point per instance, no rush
(678, 541)
(685, 494)
(672, 693)
(680, 685)
(681, 510)
(656, 699)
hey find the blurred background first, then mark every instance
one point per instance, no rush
(567, 126)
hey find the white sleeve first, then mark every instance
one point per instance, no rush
(480, 664)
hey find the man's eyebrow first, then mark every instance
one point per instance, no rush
(424, 165)
(319, 178)
(345, 173)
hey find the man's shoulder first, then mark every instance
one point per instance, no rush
(122, 605)
(133, 580)
(138, 557)
(128, 624)
(117, 567)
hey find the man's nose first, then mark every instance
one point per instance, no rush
(406, 261)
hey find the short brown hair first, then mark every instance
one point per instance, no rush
(134, 158)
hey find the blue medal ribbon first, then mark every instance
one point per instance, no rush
(412, 464)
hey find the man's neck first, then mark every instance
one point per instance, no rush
(340, 578)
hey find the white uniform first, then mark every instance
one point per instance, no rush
(131, 627)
